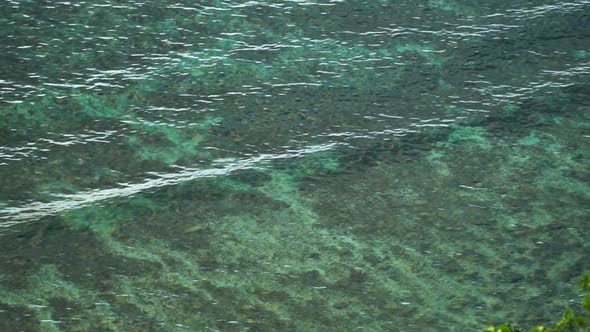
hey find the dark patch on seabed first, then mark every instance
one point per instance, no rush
(292, 166)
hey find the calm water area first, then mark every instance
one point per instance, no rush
(298, 165)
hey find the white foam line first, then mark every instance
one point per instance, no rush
(35, 210)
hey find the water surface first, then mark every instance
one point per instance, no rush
(292, 166)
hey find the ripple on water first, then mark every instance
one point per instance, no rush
(298, 165)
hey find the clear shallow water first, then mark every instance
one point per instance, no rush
(292, 166)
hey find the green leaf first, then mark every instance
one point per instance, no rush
(507, 328)
(586, 302)
(502, 328)
(582, 321)
(567, 317)
(584, 282)
(540, 329)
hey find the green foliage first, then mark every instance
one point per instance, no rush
(586, 302)
(569, 321)
(502, 328)
(584, 283)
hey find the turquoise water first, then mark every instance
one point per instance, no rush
(292, 166)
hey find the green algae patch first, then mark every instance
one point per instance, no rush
(434, 155)
(48, 286)
(104, 221)
(511, 108)
(531, 139)
(167, 143)
(283, 187)
(581, 54)
(18, 114)
(318, 163)
(106, 107)
(443, 5)
(475, 135)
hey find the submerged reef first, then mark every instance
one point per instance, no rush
(329, 241)
(251, 166)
